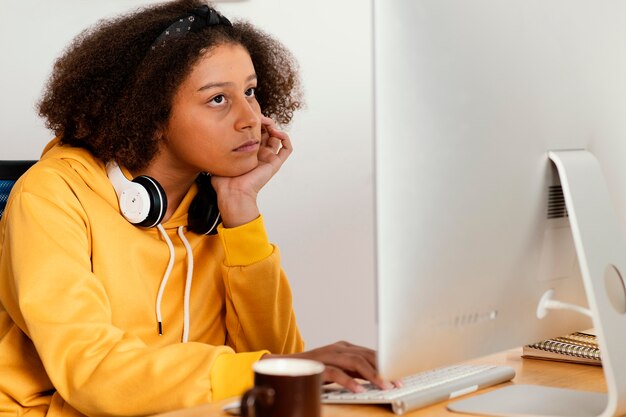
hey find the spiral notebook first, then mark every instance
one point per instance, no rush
(578, 347)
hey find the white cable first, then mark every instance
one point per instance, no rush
(560, 305)
(166, 276)
(187, 284)
(547, 302)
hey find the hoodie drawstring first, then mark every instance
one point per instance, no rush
(166, 277)
(188, 280)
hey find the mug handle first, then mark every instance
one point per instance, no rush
(261, 395)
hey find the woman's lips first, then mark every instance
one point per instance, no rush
(251, 145)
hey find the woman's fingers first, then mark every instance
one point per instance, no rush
(360, 367)
(285, 149)
(275, 144)
(345, 362)
(334, 374)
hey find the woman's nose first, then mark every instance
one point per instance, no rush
(248, 115)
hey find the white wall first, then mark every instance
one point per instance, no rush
(319, 208)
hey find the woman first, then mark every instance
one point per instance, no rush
(120, 293)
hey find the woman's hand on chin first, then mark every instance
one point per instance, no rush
(237, 196)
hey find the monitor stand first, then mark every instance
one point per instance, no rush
(601, 250)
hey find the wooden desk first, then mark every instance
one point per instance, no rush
(528, 371)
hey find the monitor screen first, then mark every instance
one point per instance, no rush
(471, 227)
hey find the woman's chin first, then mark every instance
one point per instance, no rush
(236, 171)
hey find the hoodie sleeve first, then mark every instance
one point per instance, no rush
(55, 298)
(259, 311)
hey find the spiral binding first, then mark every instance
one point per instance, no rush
(577, 344)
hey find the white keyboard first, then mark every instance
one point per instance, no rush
(425, 388)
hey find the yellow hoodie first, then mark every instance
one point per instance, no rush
(78, 289)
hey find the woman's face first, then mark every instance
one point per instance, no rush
(215, 122)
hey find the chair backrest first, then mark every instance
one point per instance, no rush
(10, 171)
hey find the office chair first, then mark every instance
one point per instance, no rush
(10, 171)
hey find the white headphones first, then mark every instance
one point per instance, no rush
(142, 201)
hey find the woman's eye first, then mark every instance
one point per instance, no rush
(250, 92)
(217, 99)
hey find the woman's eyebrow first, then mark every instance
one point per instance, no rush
(207, 86)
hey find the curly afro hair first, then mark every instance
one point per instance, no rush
(110, 91)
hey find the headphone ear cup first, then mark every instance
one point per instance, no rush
(157, 201)
(203, 215)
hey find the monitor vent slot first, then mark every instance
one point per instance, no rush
(556, 202)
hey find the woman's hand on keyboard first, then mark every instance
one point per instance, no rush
(345, 362)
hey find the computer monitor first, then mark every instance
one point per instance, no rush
(471, 230)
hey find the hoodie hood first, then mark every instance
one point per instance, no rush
(93, 172)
